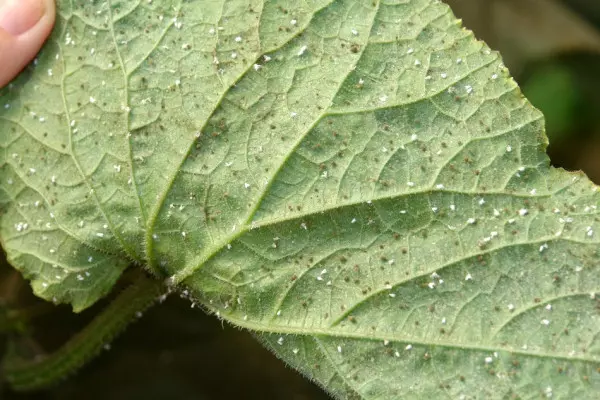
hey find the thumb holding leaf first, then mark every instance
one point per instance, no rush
(24, 26)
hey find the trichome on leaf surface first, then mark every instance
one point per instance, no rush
(359, 183)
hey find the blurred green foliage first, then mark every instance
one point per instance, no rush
(552, 89)
(566, 88)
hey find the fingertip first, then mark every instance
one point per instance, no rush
(24, 27)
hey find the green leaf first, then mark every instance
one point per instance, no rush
(360, 183)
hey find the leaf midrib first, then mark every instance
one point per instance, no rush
(249, 224)
(127, 250)
(215, 250)
(391, 337)
(127, 105)
(181, 275)
(149, 243)
(377, 292)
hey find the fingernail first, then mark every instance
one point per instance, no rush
(18, 16)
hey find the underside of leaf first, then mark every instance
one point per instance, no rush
(360, 182)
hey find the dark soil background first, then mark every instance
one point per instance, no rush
(552, 48)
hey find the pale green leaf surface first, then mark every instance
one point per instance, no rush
(360, 182)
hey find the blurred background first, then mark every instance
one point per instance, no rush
(552, 48)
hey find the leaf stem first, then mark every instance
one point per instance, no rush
(28, 375)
